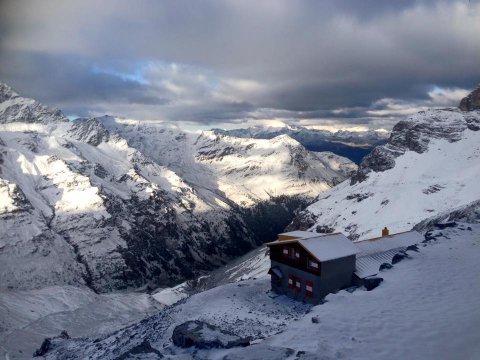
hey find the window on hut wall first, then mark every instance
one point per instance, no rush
(291, 280)
(298, 284)
(297, 255)
(313, 264)
(309, 288)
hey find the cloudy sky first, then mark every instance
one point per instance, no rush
(235, 63)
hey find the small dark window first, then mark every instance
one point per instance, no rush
(291, 280)
(298, 284)
(309, 288)
(313, 264)
(297, 254)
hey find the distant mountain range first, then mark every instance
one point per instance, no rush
(354, 145)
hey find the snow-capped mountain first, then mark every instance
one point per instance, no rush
(351, 144)
(244, 170)
(430, 165)
(94, 202)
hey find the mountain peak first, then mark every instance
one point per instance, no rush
(471, 101)
(16, 108)
(6, 92)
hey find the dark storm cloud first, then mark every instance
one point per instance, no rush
(210, 61)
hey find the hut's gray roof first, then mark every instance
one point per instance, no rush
(381, 250)
(324, 247)
(300, 234)
(385, 243)
(369, 265)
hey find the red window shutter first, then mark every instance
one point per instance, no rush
(298, 284)
(309, 288)
(290, 281)
(285, 251)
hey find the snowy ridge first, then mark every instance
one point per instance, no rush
(351, 144)
(430, 165)
(243, 170)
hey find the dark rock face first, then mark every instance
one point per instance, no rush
(471, 102)
(205, 336)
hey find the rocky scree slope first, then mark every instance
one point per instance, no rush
(431, 164)
(81, 204)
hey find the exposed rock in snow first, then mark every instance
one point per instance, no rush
(205, 336)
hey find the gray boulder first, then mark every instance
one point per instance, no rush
(205, 336)
(372, 282)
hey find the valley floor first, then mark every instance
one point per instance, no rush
(426, 308)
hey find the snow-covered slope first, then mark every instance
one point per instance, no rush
(28, 316)
(96, 203)
(430, 165)
(426, 308)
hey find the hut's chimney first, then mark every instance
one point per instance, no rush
(385, 231)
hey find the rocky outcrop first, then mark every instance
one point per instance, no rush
(471, 102)
(465, 214)
(205, 336)
(414, 134)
